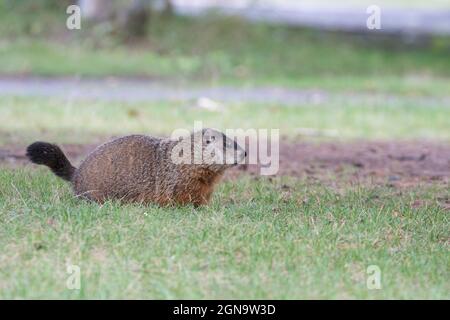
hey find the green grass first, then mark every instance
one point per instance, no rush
(25, 120)
(256, 240)
(222, 50)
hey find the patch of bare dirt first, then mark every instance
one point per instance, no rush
(391, 163)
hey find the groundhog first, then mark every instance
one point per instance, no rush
(146, 169)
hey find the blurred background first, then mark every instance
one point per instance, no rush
(311, 68)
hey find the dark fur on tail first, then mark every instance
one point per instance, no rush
(51, 155)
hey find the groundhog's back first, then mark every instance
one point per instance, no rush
(121, 169)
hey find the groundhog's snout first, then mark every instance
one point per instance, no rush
(241, 154)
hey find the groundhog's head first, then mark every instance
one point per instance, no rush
(210, 149)
(220, 150)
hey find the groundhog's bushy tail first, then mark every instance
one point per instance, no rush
(51, 155)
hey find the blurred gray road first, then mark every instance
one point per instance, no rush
(137, 90)
(140, 90)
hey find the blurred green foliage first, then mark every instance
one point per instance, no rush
(220, 50)
(36, 4)
(24, 17)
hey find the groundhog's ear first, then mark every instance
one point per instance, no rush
(207, 131)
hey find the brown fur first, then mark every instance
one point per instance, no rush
(138, 168)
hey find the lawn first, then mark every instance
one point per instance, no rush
(371, 117)
(256, 240)
(280, 238)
